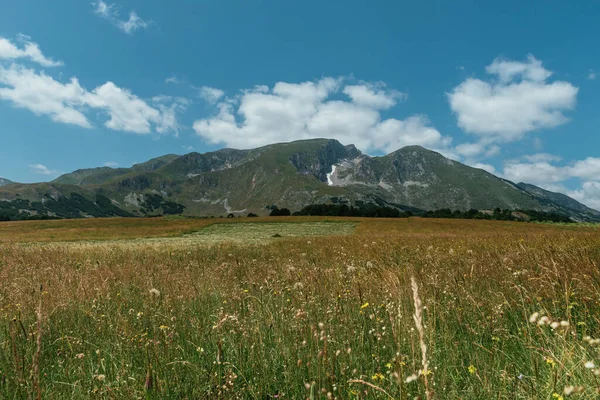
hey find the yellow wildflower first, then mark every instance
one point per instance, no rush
(377, 377)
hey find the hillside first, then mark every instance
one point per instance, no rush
(4, 182)
(289, 175)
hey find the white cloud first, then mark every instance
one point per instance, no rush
(588, 194)
(127, 112)
(520, 100)
(42, 169)
(39, 93)
(105, 10)
(70, 103)
(542, 157)
(133, 23)
(478, 149)
(110, 13)
(211, 95)
(30, 50)
(293, 111)
(541, 170)
(111, 164)
(373, 95)
(592, 75)
(507, 70)
(172, 79)
(586, 169)
(537, 173)
(170, 107)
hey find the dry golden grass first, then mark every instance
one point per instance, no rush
(308, 317)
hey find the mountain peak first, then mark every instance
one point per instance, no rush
(4, 181)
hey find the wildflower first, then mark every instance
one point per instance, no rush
(163, 327)
(364, 306)
(557, 396)
(155, 292)
(80, 356)
(550, 362)
(544, 321)
(554, 325)
(590, 365)
(564, 324)
(569, 390)
(388, 365)
(101, 378)
(472, 369)
(411, 378)
(533, 318)
(298, 286)
(377, 377)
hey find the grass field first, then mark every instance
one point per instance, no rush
(298, 308)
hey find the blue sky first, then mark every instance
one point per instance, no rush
(506, 86)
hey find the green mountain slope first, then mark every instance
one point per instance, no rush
(288, 175)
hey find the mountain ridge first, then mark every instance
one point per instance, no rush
(291, 175)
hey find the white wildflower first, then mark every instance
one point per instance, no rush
(533, 318)
(568, 390)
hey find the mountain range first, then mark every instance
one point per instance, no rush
(290, 175)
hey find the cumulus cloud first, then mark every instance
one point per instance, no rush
(29, 50)
(293, 111)
(373, 95)
(542, 157)
(478, 149)
(42, 169)
(211, 95)
(41, 94)
(70, 103)
(542, 170)
(110, 12)
(588, 194)
(516, 100)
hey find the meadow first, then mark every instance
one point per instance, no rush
(299, 307)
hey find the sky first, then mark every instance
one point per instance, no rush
(510, 87)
